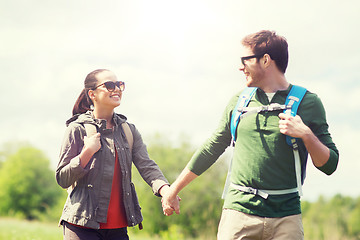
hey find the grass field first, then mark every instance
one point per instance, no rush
(15, 229)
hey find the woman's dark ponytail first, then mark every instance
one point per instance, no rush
(84, 103)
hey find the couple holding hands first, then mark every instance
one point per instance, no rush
(96, 168)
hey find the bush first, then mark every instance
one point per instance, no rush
(27, 185)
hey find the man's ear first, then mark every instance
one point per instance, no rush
(266, 60)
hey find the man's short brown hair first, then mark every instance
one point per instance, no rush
(269, 42)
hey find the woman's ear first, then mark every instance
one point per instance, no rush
(91, 94)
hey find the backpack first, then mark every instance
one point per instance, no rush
(241, 110)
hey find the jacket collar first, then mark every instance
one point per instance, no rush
(88, 117)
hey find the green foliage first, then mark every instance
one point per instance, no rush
(27, 185)
(354, 220)
(173, 233)
(337, 218)
(28, 189)
(201, 203)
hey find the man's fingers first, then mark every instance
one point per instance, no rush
(177, 210)
(168, 211)
(282, 115)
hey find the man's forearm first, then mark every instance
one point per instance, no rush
(182, 181)
(318, 151)
(170, 200)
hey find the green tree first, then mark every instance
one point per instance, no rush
(354, 220)
(10, 148)
(27, 185)
(331, 219)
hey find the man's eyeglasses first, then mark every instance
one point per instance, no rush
(110, 85)
(243, 59)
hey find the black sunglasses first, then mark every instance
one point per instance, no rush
(243, 59)
(110, 85)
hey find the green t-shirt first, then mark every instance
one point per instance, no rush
(262, 159)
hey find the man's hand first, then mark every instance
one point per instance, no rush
(293, 126)
(170, 202)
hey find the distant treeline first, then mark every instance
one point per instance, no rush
(337, 218)
(28, 190)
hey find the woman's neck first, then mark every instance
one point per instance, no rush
(106, 115)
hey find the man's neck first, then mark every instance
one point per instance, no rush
(275, 83)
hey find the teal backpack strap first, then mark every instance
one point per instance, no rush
(293, 100)
(242, 102)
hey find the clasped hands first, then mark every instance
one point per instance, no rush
(170, 201)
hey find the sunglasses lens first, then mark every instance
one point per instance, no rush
(110, 86)
(120, 85)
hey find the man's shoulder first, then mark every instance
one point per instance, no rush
(311, 104)
(311, 97)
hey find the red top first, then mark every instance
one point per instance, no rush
(116, 216)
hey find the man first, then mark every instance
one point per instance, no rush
(262, 159)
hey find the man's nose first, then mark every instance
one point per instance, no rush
(242, 67)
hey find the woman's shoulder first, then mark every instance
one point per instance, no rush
(120, 119)
(79, 119)
(75, 124)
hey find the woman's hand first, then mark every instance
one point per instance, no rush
(92, 144)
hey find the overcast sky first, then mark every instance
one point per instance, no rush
(180, 62)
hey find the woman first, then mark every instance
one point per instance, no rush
(96, 169)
